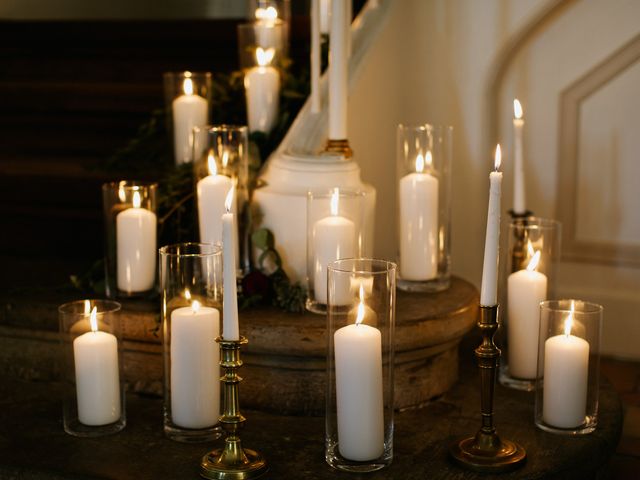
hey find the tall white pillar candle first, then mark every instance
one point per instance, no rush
(230, 328)
(566, 373)
(338, 71)
(136, 247)
(212, 191)
(189, 111)
(359, 393)
(489, 288)
(95, 356)
(262, 89)
(525, 290)
(419, 223)
(519, 206)
(315, 56)
(195, 373)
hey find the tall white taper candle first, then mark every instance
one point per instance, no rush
(519, 205)
(315, 56)
(230, 328)
(338, 74)
(489, 289)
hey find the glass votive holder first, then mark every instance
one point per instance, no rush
(221, 161)
(91, 344)
(187, 105)
(360, 359)
(423, 169)
(568, 376)
(191, 285)
(335, 230)
(131, 226)
(532, 261)
(271, 10)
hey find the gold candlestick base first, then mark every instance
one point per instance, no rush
(486, 451)
(340, 147)
(232, 462)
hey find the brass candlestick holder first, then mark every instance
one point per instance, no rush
(232, 462)
(340, 147)
(519, 251)
(486, 451)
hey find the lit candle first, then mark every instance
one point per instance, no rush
(136, 247)
(363, 311)
(230, 328)
(264, 27)
(95, 355)
(359, 400)
(525, 289)
(212, 191)
(334, 238)
(338, 73)
(489, 288)
(325, 16)
(566, 364)
(189, 111)
(315, 56)
(262, 89)
(195, 372)
(419, 222)
(518, 172)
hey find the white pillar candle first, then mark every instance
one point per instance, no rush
(359, 397)
(189, 111)
(489, 288)
(212, 191)
(525, 290)
(136, 247)
(195, 370)
(518, 172)
(334, 238)
(230, 328)
(338, 73)
(325, 16)
(418, 193)
(95, 356)
(566, 372)
(262, 89)
(315, 56)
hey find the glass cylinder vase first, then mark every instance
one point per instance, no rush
(424, 154)
(130, 223)
(531, 277)
(568, 375)
(91, 345)
(187, 105)
(191, 285)
(360, 359)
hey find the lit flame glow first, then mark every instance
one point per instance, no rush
(225, 159)
(195, 306)
(187, 294)
(137, 201)
(87, 307)
(568, 323)
(264, 56)
(498, 158)
(533, 263)
(211, 162)
(93, 319)
(361, 312)
(229, 200)
(187, 86)
(335, 198)
(420, 163)
(530, 251)
(517, 108)
(269, 13)
(428, 159)
(122, 195)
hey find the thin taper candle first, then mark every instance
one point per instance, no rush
(315, 56)
(338, 76)
(230, 328)
(489, 289)
(519, 204)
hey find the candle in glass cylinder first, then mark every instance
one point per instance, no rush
(212, 191)
(525, 290)
(230, 327)
(195, 372)
(95, 356)
(189, 111)
(262, 89)
(489, 287)
(136, 247)
(418, 193)
(359, 397)
(518, 171)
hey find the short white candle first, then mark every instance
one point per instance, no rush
(338, 71)
(359, 398)
(212, 191)
(136, 247)
(230, 327)
(195, 370)
(334, 238)
(489, 288)
(525, 290)
(95, 357)
(262, 89)
(566, 373)
(418, 193)
(189, 111)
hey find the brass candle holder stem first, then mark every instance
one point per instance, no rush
(340, 147)
(486, 451)
(233, 462)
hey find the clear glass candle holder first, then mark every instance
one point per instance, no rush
(568, 377)
(131, 226)
(360, 359)
(423, 169)
(335, 230)
(91, 348)
(270, 10)
(187, 105)
(191, 285)
(221, 161)
(531, 277)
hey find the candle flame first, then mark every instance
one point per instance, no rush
(187, 294)
(187, 86)
(419, 163)
(335, 197)
(361, 311)
(87, 307)
(264, 56)
(517, 108)
(195, 306)
(229, 200)
(137, 201)
(498, 158)
(93, 319)
(211, 162)
(533, 263)
(530, 251)
(225, 159)
(568, 323)
(428, 159)
(269, 13)
(122, 194)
